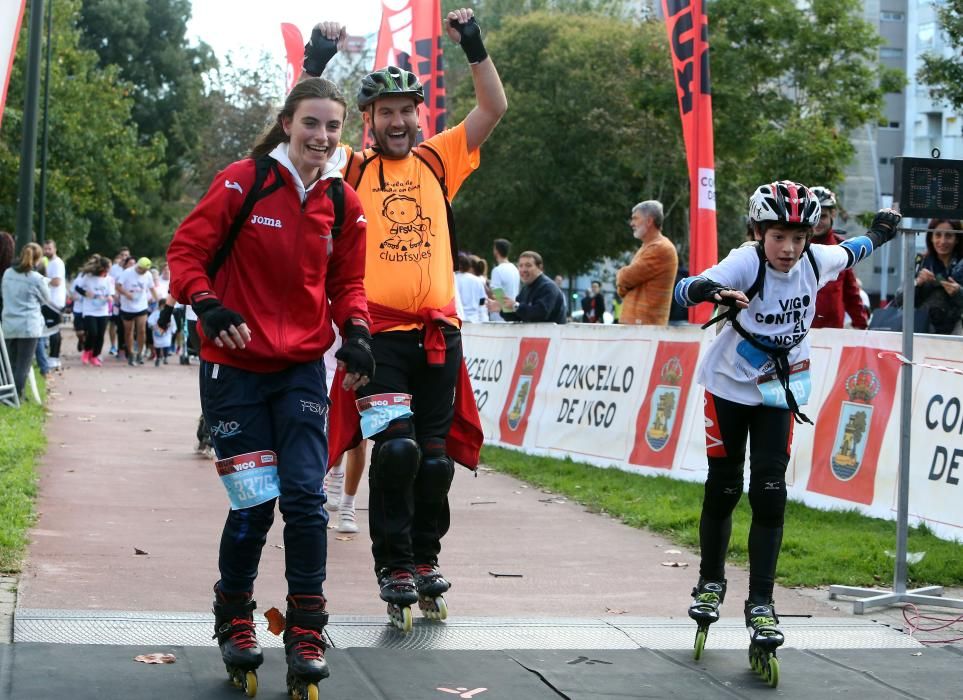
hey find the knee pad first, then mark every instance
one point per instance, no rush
(436, 472)
(395, 458)
(722, 495)
(767, 496)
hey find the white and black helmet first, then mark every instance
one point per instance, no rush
(786, 202)
(826, 197)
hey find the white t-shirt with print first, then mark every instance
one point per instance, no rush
(780, 315)
(138, 285)
(505, 277)
(57, 270)
(100, 289)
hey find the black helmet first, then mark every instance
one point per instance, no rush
(387, 82)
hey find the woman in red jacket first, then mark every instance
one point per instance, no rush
(265, 321)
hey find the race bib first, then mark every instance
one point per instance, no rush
(250, 479)
(799, 384)
(380, 409)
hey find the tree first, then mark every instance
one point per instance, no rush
(944, 74)
(98, 167)
(592, 127)
(788, 86)
(147, 41)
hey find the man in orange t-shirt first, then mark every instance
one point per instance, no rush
(408, 408)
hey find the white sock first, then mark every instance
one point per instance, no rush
(347, 502)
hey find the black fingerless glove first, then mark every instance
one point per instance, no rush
(704, 289)
(317, 52)
(214, 316)
(471, 40)
(164, 317)
(356, 352)
(884, 227)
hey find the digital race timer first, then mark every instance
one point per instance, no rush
(928, 188)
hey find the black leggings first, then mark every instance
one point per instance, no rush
(95, 328)
(769, 430)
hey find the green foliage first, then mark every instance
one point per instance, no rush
(944, 74)
(592, 126)
(819, 547)
(99, 170)
(22, 442)
(788, 87)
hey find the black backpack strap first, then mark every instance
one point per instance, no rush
(356, 166)
(262, 166)
(336, 193)
(812, 261)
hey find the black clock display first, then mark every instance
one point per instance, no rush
(929, 188)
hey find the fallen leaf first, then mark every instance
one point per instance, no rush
(148, 430)
(140, 551)
(676, 564)
(492, 573)
(344, 538)
(278, 546)
(672, 551)
(482, 503)
(275, 621)
(156, 658)
(917, 653)
(614, 611)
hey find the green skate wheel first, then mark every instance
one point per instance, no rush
(772, 672)
(250, 684)
(700, 643)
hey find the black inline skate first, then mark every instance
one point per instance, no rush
(707, 597)
(234, 631)
(764, 638)
(398, 591)
(431, 586)
(304, 645)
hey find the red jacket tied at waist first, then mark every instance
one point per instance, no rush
(464, 440)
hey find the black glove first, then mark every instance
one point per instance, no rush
(471, 40)
(215, 317)
(704, 289)
(317, 52)
(884, 226)
(355, 351)
(164, 318)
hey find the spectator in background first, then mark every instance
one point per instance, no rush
(56, 273)
(841, 296)
(504, 276)
(471, 290)
(939, 274)
(479, 268)
(24, 292)
(560, 283)
(594, 306)
(646, 283)
(7, 248)
(540, 300)
(116, 326)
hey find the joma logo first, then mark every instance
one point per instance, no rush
(266, 221)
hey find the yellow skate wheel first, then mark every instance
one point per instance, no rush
(406, 620)
(312, 692)
(772, 672)
(442, 608)
(700, 644)
(250, 684)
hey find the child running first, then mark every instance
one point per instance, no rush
(756, 378)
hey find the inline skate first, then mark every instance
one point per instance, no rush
(707, 597)
(304, 645)
(764, 638)
(234, 631)
(398, 591)
(431, 587)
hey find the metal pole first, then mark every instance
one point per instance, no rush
(42, 208)
(906, 403)
(28, 146)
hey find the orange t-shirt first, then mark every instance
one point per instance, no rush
(408, 265)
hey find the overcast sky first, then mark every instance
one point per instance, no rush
(253, 26)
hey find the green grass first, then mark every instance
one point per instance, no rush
(819, 547)
(22, 441)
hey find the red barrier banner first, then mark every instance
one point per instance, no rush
(294, 48)
(532, 354)
(851, 426)
(410, 38)
(11, 17)
(688, 28)
(659, 422)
